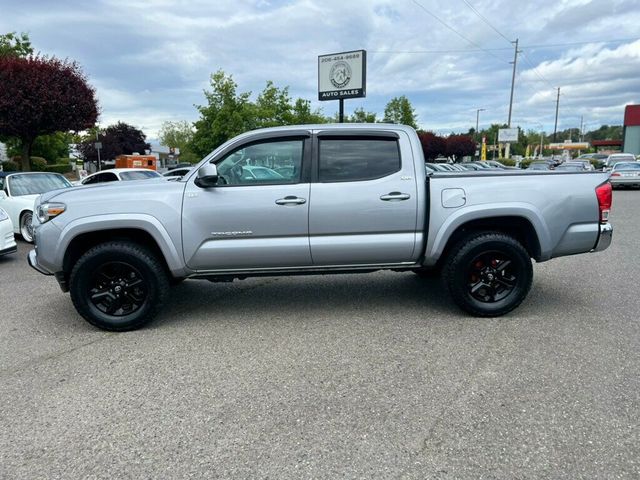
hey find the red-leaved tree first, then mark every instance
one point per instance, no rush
(118, 139)
(432, 145)
(459, 146)
(40, 96)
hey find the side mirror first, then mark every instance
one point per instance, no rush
(3, 195)
(207, 176)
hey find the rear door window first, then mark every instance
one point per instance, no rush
(357, 159)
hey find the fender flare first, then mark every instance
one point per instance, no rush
(137, 221)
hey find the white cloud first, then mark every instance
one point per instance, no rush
(150, 60)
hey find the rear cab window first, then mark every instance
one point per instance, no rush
(353, 159)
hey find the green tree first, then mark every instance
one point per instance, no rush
(399, 110)
(14, 45)
(226, 114)
(360, 116)
(303, 115)
(179, 135)
(50, 147)
(273, 107)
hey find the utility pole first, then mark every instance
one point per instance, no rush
(555, 127)
(581, 128)
(507, 152)
(98, 146)
(478, 110)
(580, 135)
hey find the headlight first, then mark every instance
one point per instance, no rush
(47, 211)
(3, 215)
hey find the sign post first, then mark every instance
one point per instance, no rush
(342, 75)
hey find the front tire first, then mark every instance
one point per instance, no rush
(118, 286)
(488, 274)
(26, 228)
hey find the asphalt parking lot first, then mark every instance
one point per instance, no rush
(351, 376)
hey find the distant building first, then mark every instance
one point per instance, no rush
(607, 146)
(631, 130)
(167, 156)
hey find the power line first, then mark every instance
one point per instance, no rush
(530, 47)
(445, 24)
(482, 17)
(465, 50)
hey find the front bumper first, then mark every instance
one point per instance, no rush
(604, 239)
(32, 258)
(6, 251)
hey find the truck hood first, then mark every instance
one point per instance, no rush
(129, 188)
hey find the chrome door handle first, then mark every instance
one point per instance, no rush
(395, 196)
(291, 200)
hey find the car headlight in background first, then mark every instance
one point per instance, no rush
(3, 215)
(47, 211)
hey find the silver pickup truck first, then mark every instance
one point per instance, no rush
(314, 199)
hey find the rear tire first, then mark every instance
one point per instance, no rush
(118, 286)
(488, 274)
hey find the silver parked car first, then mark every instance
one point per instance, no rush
(625, 174)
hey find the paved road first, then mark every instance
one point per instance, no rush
(353, 376)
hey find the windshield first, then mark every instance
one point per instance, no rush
(139, 175)
(36, 183)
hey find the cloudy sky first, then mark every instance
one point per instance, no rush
(150, 60)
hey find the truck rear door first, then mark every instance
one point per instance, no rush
(363, 206)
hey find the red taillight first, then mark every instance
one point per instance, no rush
(603, 192)
(615, 174)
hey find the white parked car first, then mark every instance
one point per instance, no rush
(120, 174)
(619, 157)
(7, 240)
(176, 173)
(18, 192)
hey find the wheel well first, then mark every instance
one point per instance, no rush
(518, 227)
(83, 242)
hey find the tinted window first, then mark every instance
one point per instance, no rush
(139, 175)
(275, 162)
(107, 177)
(349, 159)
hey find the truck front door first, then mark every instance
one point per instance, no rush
(257, 216)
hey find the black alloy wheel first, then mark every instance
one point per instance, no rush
(488, 274)
(117, 289)
(118, 285)
(492, 276)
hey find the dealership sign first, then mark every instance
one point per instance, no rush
(507, 135)
(342, 75)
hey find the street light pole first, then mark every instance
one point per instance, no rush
(478, 110)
